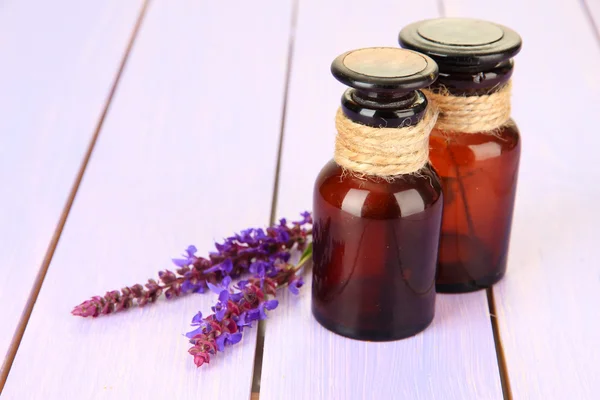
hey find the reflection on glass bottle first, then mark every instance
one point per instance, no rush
(479, 190)
(375, 250)
(477, 152)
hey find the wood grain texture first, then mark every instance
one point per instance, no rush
(547, 304)
(186, 155)
(455, 358)
(59, 60)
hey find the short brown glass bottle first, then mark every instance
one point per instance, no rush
(478, 169)
(376, 238)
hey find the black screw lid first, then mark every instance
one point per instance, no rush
(461, 43)
(384, 71)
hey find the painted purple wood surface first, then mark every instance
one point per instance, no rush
(455, 358)
(58, 63)
(548, 304)
(186, 155)
(594, 9)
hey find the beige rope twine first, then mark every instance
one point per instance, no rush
(383, 152)
(471, 114)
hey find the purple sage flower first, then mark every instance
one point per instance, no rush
(295, 285)
(227, 338)
(190, 257)
(267, 305)
(225, 267)
(235, 256)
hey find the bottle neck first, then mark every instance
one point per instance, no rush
(474, 83)
(388, 112)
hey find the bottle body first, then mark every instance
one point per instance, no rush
(375, 250)
(479, 173)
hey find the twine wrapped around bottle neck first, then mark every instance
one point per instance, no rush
(471, 114)
(383, 152)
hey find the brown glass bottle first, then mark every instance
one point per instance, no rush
(376, 239)
(478, 170)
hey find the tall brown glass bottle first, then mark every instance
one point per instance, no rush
(376, 238)
(478, 169)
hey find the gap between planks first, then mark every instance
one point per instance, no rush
(260, 336)
(502, 366)
(594, 25)
(260, 340)
(39, 279)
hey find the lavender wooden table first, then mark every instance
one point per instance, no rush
(118, 149)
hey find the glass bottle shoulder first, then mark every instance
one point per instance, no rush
(481, 145)
(377, 198)
(464, 149)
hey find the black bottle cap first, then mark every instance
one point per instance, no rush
(461, 43)
(378, 72)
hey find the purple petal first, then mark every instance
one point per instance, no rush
(283, 236)
(242, 284)
(227, 266)
(236, 297)
(200, 287)
(255, 267)
(223, 247)
(293, 289)
(306, 218)
(253, 315)
(226, 282)
(234, 338)
(260, 268)
(197, 318)
(212, 269)
(215, 288)
(220, 314)
(180, 262)
(243, 320)
(261, 312)
(221, 341)
(282, 255)
(295, 285)
(271, 304)
(224, 296)
(246, 235)
(187, 286)
(191, 250)
(195, 332)
(246, 251)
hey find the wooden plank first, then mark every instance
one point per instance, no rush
(59, 61)
(186, 155)
(547, 305)
(455, 358)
